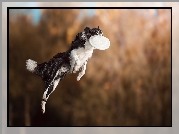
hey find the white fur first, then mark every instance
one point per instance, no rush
(43, 106)
(79, 58)
(31, 65)
(82, 71)
(84, 36)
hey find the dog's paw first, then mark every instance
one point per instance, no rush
(78, 78)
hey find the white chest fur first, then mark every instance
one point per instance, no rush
(80, 56)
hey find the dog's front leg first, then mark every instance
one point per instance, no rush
(82, 71)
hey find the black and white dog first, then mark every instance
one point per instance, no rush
(71, 61)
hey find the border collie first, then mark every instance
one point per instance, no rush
(71, 61)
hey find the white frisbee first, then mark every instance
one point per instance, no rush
(99, 42)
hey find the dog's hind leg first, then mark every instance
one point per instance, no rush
(47, 93)
(60, 74)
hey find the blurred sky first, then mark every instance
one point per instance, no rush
(36, 13)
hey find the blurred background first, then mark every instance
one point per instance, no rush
(128, 84)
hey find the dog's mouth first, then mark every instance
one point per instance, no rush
(95, 38)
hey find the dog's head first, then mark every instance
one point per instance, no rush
(91, 32)
(83, 37)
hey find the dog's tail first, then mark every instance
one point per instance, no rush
(31, 65)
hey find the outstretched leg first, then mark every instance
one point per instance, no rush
(60, 74)
(47, 92)
(82, 71)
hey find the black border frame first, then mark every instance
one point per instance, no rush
(78, 8)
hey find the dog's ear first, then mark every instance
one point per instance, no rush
(87, 29)
(98, 27)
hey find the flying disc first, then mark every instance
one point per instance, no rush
(99, 42)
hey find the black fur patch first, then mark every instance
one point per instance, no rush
(48, 70)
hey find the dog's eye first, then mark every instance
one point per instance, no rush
(88, 35)
(100, 32)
